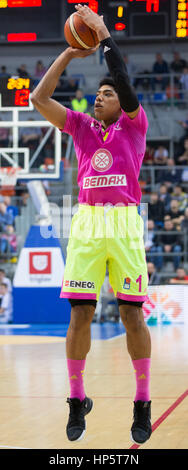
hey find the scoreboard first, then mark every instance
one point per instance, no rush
(14, 92)
(182, 19)
(43, 20)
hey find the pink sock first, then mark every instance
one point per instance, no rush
(76, 371)
(142, 370)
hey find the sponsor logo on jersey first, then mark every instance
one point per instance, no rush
(104, 181)
(102, 160)
(127, 283)
(80, 284)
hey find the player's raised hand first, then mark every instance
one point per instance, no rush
(90, 18)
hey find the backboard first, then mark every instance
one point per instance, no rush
(34, 145)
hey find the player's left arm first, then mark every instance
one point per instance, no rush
(116, 65)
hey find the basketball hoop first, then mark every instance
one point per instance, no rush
(8, 179)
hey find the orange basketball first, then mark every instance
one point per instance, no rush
(78, 34)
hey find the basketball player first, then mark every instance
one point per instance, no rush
(110, 151)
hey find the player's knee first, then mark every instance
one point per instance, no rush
(81, 317)
(132, 318)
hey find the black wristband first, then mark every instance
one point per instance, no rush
(118, 71)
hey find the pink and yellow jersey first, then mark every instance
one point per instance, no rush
(108, 162)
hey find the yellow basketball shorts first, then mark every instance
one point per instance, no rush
(106, 238)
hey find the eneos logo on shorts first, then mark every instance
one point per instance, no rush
(80, 284)
(102, 160)
(127, 283)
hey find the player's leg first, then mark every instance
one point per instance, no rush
(139, 348)
(137, 333)
(78, 340)
(83, 277)
(78, 344)
(128, 277)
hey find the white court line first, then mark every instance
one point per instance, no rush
(12, 326)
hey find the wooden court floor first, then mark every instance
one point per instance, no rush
(34, 387)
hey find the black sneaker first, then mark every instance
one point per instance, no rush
(76, 425)
(141, 429)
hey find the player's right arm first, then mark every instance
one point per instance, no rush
(50, 109)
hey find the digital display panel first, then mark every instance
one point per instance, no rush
(43, 20)
(15, 92)
(132, 18)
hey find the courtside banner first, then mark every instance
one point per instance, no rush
(166, 304)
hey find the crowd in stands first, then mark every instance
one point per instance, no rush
(159, 69)
(167, 226)
(8, 237)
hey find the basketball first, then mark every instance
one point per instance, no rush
(78, 34)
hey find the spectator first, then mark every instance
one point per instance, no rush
(79, 103)
(177, 65)
(184, 79)
(11, 209)
(5, 280)
(161, 155)
(160, 159)
(184, 222)
(171, 243)
(175, 213)
(180, 196)
(183, 159)
(3, 73)
(184, 125)
(181, 277)
(4, 140)
(152, 246)
(164, 196)
(170, 175)
(160, 67)
(5, 217)
(6, 309)
(156, 209)
(8, 240)
(153, 277)
(147, 161)
(22, 71)
(40, 70)
(149, 155)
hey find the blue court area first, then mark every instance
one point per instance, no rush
(99, 331)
